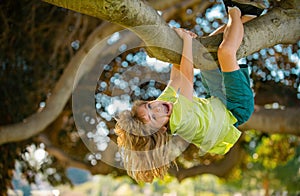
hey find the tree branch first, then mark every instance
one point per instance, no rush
(274, 121)
(60, 95)
(167, 46)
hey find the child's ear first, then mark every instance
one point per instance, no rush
(163, 129)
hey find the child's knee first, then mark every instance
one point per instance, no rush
(226, 50)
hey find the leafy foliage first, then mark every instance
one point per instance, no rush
(270, 160)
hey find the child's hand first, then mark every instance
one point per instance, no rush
(185, 34)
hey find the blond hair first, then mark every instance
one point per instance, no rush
(145, 150)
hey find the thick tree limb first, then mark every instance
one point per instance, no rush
(162, 5)
(274, 121)
(272, 92)
(135, 15)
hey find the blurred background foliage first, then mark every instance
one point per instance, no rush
(37, 42)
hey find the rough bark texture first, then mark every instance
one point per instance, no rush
(135, 15)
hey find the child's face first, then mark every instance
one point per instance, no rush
(156, 113)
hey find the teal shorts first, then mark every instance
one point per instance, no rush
(233, 89)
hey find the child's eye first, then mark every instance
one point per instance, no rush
(149, 106)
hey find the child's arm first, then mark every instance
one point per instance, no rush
(186, 64)
(175, 78)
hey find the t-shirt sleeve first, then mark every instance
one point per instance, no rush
(169, 94)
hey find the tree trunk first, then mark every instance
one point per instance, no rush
(266, 185)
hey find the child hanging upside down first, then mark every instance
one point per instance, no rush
(209, 123)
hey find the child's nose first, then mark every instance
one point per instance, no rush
(157, 109)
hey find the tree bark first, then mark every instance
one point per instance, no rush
(274, 121)
(147, 24)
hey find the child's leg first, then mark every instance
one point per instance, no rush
(239, 95)
(233, 35)
(232, 38)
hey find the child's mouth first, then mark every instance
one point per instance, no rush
(167, 108)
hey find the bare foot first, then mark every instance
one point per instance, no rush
(234, 10)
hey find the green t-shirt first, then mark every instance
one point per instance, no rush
(204, 122)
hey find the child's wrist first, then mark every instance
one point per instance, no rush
(187, 39)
